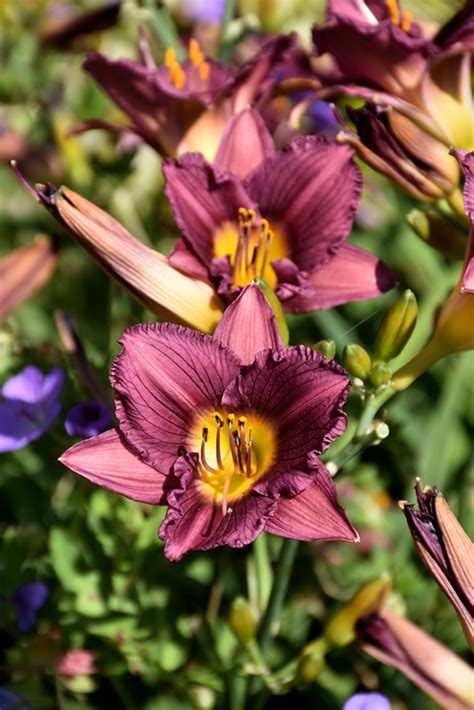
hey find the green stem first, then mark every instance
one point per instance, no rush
(229, 14)
(279, 589)
(263, 570)
(354, 447)
(372, 406)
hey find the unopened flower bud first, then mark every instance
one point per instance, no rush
(380, 374)
(340, 630)
(326, 348)
(310, 666)
(357, 361)
(397, 327)
(438, 233)
(277, 309)
(241, 621)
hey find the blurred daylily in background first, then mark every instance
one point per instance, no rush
(200, 431)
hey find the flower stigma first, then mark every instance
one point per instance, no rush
(177, 75)
(234, 452)
(251, 245)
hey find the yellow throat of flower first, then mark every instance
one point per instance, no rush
(235, 451)
(251, 248)
(197, 59)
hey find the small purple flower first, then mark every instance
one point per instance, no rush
(30, 405)
(87, 419)
(367, 701)
(203, 10)
(26, 601)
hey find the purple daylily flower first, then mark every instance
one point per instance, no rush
(87, 419)
(283, 217)
(367, 701)
(29, 407)
(178, 107)
(26, 601)
(226, 430)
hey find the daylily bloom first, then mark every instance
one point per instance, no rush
(144, 272)
(283, 218)
(225, 430)
(181, 107)
(24, 271)
(87, 419)
(30, 405)
(27, 601)
(446, 551)
(397, 642)
(453, 330)
(418, 87)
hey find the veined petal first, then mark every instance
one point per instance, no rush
(249, 325)
(314, 514)
(312, 188)
(196, 523)
(144, 272)
(245, 144)
(24, 271)
(203, 200)
(165, 377)
(301, 393)
(110, 462)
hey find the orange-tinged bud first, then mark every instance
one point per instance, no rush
(397, 327)
(326, 348)
(144, 272)
(24, 270)
(357, 361)
(242, 621)
(340, 630)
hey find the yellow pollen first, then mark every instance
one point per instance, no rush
(394, 11)
(232, 458)
(407, 19)
(177, 75)
(198, 59)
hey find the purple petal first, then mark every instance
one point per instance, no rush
(108, 461)
(367, 701)
(195, 522)
(301, 394)
(314, 514)
(184, 259)
(245, 144)
(249, 325)
(88, 419)
(26, 386)
(165, 377)
(203, 200)
(312, 188)
(351, 275)
(26, 601)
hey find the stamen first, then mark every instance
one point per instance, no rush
(220, 423)
(204, 71)
(225, 493)
(265, 254)
(177, 75)
(238, 443)
(248, 461)
(407, 19)
(394, 11)
(203, 451)
(230, 422)
(195, 54)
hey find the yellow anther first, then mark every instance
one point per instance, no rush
(170, 58)
(252, 216)
(407, 19)
(242, 421)
(394, 11)
(204, 71)
(243, 214)
(177, 75)
(218, 418)
(230, 418)
(265, 226)
(194, 51)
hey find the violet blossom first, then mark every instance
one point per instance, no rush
(225, 430)
(367, 701)
(30, 405)
(26, 601)
(87, 419)
(280, 216)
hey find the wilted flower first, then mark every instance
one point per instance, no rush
(367, 701)
(76, 662)
(24, 271)
(453, 330)
(27, 600)
(446, 551)
(180, 107)
(418, 89)
(225, 430)
(87, 419)
(285, 221)
(29, 407)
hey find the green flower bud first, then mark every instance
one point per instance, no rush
(310, 667)
(357, 361)
(438, 233)
(277, 309)
(380, 374)
(326, 348)
(397, 327)
(241, 621)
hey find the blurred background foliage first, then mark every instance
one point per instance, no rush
(111, 589)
